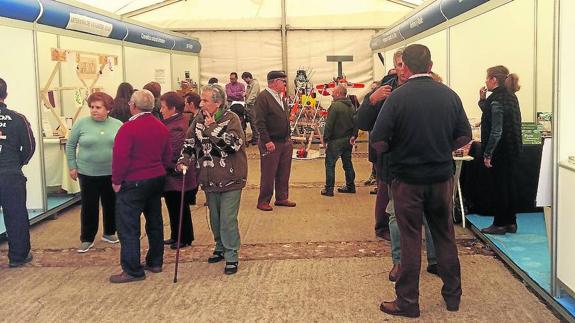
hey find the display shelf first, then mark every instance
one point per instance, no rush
(567, 165)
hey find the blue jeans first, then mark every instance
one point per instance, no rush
(396, 236)
(135, 198)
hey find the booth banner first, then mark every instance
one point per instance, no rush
(454, 8)
(25, 10)
(148, 37)
(63, 16)
(89, 25)
(434, 14)
(187, 45)
(426, 19)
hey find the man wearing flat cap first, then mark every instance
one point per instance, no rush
(275, 145)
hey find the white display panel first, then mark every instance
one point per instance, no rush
(504, 36)
(18, 69)
(566, 134)
(566, 113)
(437, 44)
(182, 64)
(545, 18)
(565, 225)
(143, 66)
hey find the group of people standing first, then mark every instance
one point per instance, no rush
(415, 123)
(152, 150)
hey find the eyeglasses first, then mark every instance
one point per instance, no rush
(281, 79)
(130, 102)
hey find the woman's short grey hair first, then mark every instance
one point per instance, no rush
(143, 100)
(218, 93)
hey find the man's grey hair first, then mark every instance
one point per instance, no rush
(218, 93)
(398, 53)
(143, 100)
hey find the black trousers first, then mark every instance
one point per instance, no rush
(504, 192)
(335, 149)
(13, 203)
(134, 198)
(435, 202)
(96, 189)
(172, 199)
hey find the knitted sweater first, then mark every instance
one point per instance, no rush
(141, 150)
(89, 147)
(218, 152)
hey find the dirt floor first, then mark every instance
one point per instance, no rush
(318, 262)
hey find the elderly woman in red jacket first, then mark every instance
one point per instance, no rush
(172, 108)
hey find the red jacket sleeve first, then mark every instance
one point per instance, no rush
(121, 156)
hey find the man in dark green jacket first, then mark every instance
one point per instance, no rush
(339, 135)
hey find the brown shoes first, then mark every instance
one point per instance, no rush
(287, 203)
(264, 207)
(124, 278)
(392, 309)
(395, 272)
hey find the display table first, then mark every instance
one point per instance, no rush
(57, 173)
(457, 186)
(477, 181)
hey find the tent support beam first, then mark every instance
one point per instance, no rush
(288, 28)
(149, 8)
(404, 3)
(284, 36)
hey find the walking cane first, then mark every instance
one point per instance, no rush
(184, 171)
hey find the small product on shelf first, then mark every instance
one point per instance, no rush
(571, 160)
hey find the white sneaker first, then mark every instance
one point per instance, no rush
(110, 238)
(85, 246)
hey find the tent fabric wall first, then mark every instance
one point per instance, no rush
(224, 52)
(260, 52)
(17, 68)
(308, 50)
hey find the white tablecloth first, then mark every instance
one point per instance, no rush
(57, 173)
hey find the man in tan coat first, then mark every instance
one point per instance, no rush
(252, 92)
(272, 122)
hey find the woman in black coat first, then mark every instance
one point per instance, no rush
(501, 142)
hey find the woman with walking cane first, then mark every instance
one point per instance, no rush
(215, 145)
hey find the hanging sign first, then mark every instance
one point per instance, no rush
(434, 14)
(89, 25)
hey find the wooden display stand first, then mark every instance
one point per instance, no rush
(87, 69)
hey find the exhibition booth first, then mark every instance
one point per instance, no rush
(518, 34)
(55, 54)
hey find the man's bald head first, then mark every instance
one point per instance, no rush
(339, 92)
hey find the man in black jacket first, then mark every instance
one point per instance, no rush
(421, 123)
(366, 116)
(17, 146)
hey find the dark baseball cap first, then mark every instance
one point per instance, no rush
(276, 75)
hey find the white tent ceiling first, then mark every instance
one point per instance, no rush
(259, 14)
